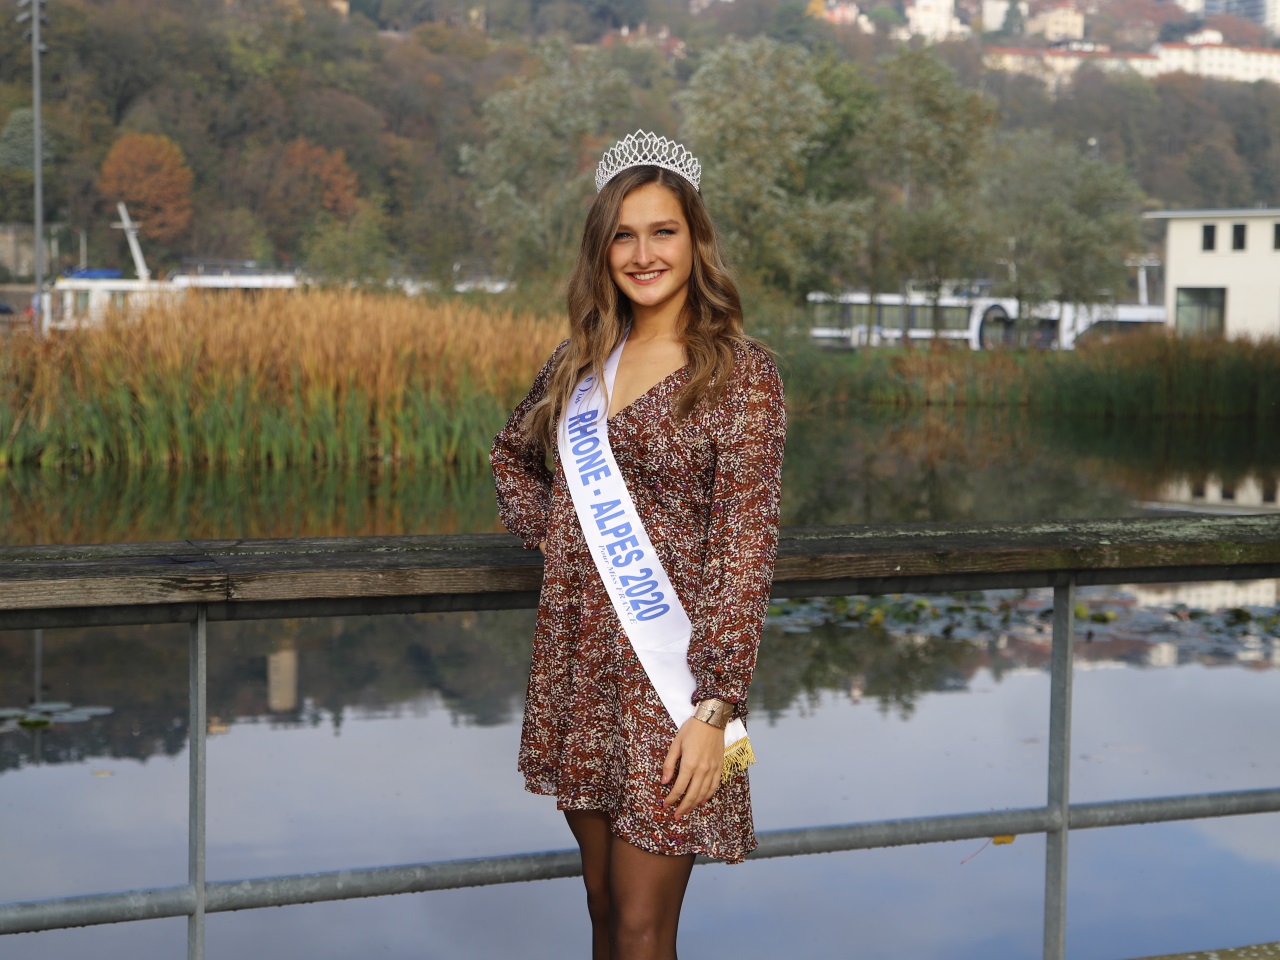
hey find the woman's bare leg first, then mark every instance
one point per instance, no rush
(647, 891)
(591, 830)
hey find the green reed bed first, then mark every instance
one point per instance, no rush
(1143, 377)
(324, 379)
(338, 379)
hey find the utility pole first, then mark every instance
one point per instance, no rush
(37, 18)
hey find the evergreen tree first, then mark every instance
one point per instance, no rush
(1014, 25)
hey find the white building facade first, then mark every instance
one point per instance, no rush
(1218, 61)
(1062, 21)
(934, 21)
(1222, 271)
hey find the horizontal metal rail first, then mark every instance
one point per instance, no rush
(195, 582)
(287, 890)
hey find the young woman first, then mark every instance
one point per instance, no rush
(658, 520)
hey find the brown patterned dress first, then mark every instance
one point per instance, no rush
(595, 733)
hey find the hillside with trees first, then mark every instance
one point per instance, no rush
(420, 138)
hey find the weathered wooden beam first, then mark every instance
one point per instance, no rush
(337, 573)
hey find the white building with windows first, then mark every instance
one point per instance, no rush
(1055, 66)
(1222, 271)
(1058, 22)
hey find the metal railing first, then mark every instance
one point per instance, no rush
(813, 563)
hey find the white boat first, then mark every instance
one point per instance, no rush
(85, 297)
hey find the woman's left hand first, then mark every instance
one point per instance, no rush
(699, 749)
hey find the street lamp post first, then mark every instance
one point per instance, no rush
(37, 18)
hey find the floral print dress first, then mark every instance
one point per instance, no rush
(595, 733)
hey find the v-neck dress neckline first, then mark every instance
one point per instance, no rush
(652, 391)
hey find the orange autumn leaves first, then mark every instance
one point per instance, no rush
(150, 174)
(304, 179)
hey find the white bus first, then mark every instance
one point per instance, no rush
(980, 321)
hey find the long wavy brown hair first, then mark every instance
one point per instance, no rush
(599, 314)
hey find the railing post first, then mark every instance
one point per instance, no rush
(1055, 878)
(197, 731)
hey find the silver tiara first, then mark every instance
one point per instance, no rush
(642, 149)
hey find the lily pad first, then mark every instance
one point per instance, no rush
(34, 721)
(11, 713)
(94, 711)
(69, 716)
(51, 707)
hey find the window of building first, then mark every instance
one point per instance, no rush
(1275, 236)
(1237, 236)
(1200, 311)
(1209, 237)
(1269, 490)
(1228, 490)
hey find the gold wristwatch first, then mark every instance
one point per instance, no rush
(718, 713)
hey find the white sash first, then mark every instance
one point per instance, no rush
(643, 597)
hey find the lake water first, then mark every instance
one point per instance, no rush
(359, 741)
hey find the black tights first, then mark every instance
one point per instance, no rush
(633, 897)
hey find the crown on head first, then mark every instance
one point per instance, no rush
(642, 149)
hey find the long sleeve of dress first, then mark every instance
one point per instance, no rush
(742, 541)
(520, 471)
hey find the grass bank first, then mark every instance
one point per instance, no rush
(317, 378)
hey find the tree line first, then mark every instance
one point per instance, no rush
(423, 138)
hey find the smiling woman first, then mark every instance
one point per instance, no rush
(659, 520)
(652, 256)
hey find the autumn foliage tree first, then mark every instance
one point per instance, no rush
(149, 173)
(304, 180)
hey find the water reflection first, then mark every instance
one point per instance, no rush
(930, 465)
(308, 673)
(867, 466)
(289, 673)
(864, 708)
(373, 740)
(110, 506)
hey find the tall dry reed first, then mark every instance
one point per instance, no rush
(322, 378)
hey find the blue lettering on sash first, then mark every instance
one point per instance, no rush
(591, 465)
(638, 592)
(587, 451)
(580, 424)
(600, 509)
(603, 522)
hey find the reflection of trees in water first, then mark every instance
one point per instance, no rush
(863, 661)
(884, 466)
(139, 671)
(110, 506)
(1159, 451)
(875, 466)
(475, 664)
